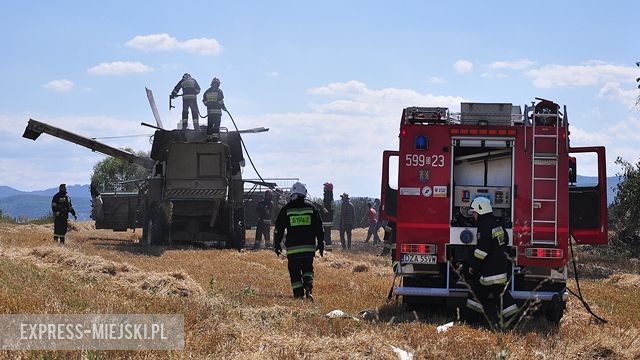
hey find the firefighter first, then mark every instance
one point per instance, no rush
(263, 226)
(490, 265)
(190, 90)
(213, 99)
(61, 207)
(303, 225)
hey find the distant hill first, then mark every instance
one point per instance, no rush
(34, 204)
(612, 182)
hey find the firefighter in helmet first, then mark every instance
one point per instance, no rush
(190, 90)
(61, 207)
(263, 226)
(213, 99)
(490, 265)
(303, 225)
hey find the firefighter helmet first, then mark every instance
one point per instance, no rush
(215, 82)
(298, 190)
(186, 76)
(481, 205)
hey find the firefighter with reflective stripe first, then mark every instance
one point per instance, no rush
(190, 90)
(263, 226)
(61, 207)
(303, 225)
(213, 99)
(490, 263)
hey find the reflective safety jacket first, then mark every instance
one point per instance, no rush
(189, 86)
(489, 257)
(303, 225)
(61, 205)
(213, 100)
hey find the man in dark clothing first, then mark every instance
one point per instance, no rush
(213, 99)
(303, 225)
(327, 215)
(190, 90)
(347, 217)
(490, 265)
(61, 207)
(263, 226)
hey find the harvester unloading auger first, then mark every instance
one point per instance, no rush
(194, 192)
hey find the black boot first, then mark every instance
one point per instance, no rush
(308, 293)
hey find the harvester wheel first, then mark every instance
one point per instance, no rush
(555, 309)
(238, 229)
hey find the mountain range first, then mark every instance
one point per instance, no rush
(34, 204)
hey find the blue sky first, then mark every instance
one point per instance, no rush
(330, 78)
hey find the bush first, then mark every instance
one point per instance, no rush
(624, 213)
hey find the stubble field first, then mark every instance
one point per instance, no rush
(238, 305)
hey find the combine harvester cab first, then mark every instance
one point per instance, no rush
(523, 163)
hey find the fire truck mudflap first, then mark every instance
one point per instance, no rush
(520, 159)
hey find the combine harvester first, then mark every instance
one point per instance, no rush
(194, 192)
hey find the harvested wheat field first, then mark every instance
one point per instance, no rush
(238, 305)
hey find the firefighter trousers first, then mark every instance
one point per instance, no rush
(501, 306)
(59, 228)
(189, 103)
(262, 229)
(301, 274)
(213, 123)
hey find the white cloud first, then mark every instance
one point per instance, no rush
(436, 80)
(165, 42)
(613, 90)
(580, 136)
(514, 65)
(357, 98)
(61, 85)
(589, 74)
(463, 66)
(273, 74)
(120, 68)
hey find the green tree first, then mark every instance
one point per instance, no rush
(625, 210)
(110, 173)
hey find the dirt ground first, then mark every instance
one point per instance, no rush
(238, 305)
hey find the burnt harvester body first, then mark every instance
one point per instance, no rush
(194, 192)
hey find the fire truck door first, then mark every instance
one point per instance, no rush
(588, 204)
(388, 195)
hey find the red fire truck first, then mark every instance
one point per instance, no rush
(521, 159)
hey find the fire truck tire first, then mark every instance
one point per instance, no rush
(554, 310)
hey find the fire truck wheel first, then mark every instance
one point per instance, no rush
(554, 310)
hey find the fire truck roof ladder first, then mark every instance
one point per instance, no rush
(545, 148)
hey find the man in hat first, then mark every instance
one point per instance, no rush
(347, 217)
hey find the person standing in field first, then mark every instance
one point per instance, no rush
(347, 218)
(303, 226)
(371, 218)
(263, 226)
(61, 207)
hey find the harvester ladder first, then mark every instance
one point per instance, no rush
(544, 159)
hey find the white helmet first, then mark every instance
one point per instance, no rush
(298, 190)
(481, 205)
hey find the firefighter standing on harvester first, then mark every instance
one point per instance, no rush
(190, 90)
(490, 265)
(303, 225)
(213, 99)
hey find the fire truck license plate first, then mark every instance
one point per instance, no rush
(418, 259)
